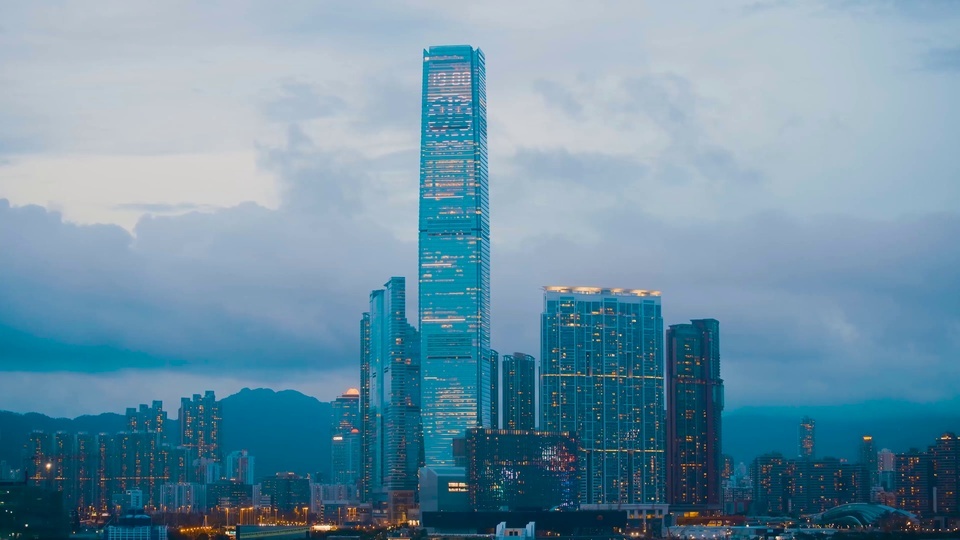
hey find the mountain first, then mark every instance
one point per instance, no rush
(899, 426)
(15, 430)
(284, 431)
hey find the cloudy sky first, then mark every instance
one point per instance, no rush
(202, 195)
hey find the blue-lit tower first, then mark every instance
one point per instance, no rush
(454, 262)
(601, 378)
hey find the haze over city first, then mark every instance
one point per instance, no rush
(204, 198)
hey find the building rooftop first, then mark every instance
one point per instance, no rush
(612, 291)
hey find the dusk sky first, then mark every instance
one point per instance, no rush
(202, 195)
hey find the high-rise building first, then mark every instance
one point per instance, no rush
(695, 390)
(602, 380)
(366, 426)
(494, 389)
(521, 470)
(806, 446)
(945, 457)
(914, 479)
(454, 238)
(886, 462)
(200, 432)
(346, 411)
(394, 389)
(240, 467)
(519, 389)
(769, 485)
(147, 418)
(868, 459)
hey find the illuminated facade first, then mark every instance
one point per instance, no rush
(521, 470)
(695, 389)
(454, 245)
(394, 389)
(366, 427)
(519, 387)
(602, 380)
(868, 458)
(807, 440)
(200, 433)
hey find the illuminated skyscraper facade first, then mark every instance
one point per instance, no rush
(394, 390)
(807, 438)
(519, 386)
(695, 390)
(602, 380)
(200, 433)
(454, 246)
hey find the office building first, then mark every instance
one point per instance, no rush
(394, 389)
(346, 412)
(240, 467)
(494, 389)
(454, 249)
(288, 492)
(807, 442)
(200, 433)
(602, 380)
(347, 458)
(366, 426)
(695, 391)
(522, 470)
(519, 389)
(868, 459)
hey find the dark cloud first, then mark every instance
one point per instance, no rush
(245, 288)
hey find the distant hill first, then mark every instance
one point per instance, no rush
(15, 430)
(748, 433)
(284, 431)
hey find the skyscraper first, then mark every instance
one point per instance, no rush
(807, 442)
(366, 427)
(694, 457)
(868, 458)
(494, 389)
(454, 237)
(394, 389)
(346, 411)
(602, 380)
(519, 386)
(200, 432)
(347, 440)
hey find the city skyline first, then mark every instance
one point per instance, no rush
(820, 192)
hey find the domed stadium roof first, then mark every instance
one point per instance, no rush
(861, 515)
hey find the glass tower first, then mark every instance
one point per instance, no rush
(519, 385)
(602, 380)
(454, 262)
(694, 456)
(394, 394)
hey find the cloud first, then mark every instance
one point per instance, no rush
(162, 208)
(299, 102)
(942, 59)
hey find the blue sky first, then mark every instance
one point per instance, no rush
(202, 196)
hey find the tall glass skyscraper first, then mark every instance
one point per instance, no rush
(602, 379)
(454, 264)
(393, 414)
(519, 386)
(694, 455)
